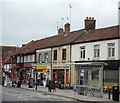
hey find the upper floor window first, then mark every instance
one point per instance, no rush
(82, 52)
(55, 55)
(30, 58)
(111, 49)
(18, 59)
(63, 54)
(40, 58)
(46, 57)
(97, 50)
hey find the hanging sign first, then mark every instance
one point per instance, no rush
(44, 71)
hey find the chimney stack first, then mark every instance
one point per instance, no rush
(60, 31)
(67, 28)
(90, 23)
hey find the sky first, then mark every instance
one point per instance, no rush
(24, 20)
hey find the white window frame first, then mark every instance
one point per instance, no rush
(21, 60)
(111, 50)
(26, 59)
(30, 58)
(33, 58)
(18, 59)
(97, 51)
(82, 52)
(46, 57)
(40, 58)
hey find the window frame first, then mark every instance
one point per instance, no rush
(40, 58)
(111, 50)
(55, 55)
(97, 51)
(82, 52)
(64, 54)
(46, 57)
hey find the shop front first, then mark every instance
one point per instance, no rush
(42, 74)
(60, 74)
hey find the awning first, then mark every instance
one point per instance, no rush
(88, 63)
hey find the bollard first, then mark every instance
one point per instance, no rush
(109, 94)
(36, 85)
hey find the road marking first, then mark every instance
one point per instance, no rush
(20, 97)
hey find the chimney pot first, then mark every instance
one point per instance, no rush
(92, 18)
(60, 31)
(87, 18)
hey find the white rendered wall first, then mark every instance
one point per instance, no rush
(89, 50)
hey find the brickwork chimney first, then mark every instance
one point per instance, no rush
(90, 23)
(67, 28)
(60, 31)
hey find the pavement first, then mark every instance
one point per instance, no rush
(70, 94)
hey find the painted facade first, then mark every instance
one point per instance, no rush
(43, 59)
(111, 71)
(60, 72)
(22, 67)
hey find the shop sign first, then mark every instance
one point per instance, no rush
(44, 71)
(41, 67)
(59, 67)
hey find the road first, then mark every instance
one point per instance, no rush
(19, 94)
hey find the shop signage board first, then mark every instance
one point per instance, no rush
(59, 67)
(44, 71)
(41, 67)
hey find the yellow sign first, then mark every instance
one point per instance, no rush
(44, 71)
(41, 67)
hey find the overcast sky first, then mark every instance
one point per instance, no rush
(25, 20)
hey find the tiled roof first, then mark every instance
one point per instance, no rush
(5, 49)
(7, 57)
(99, 34)
(70, 38)
(48, 42)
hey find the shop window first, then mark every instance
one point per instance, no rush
(55, 55)
(110, 75)
(63, 54)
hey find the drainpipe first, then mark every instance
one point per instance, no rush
(70, 65)
(51, 63)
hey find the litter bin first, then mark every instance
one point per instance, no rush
(31, 83)
(51, 86)
(115, 91)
